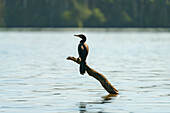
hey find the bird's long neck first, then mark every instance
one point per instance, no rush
(83, 40)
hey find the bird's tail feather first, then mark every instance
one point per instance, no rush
(82, 67)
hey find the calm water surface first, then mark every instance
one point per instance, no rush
(36, 77)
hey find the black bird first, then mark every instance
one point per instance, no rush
(83, 50)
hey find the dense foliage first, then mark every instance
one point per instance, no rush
(84, 13)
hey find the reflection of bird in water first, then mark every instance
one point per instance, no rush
(83, 50)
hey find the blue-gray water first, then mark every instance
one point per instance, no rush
(35, 76)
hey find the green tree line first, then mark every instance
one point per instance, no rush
(84, 13)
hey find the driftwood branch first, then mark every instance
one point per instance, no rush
(101, 78)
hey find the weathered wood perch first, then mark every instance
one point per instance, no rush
(101, 78)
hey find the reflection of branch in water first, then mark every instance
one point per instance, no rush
(105, 99)
(83, 105)
(109, 96)
(101, 78)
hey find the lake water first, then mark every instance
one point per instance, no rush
(35, 76)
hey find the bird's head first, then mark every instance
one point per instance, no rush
(81, 36)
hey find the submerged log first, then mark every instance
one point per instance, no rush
(101, 78)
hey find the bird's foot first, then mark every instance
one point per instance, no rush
(78, 59)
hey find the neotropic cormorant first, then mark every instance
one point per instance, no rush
(83, 50)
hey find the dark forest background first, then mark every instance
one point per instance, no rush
(85, 13)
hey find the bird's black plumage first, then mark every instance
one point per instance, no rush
(83, 50)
